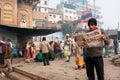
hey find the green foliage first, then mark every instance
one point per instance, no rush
(69, 27)
(66, 28)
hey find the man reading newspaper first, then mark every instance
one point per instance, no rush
(94, 53)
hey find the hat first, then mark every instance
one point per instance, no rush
(67, 35)
(2, 42)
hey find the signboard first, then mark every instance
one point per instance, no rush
(8, 13)
(86, 15)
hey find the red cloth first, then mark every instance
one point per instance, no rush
(27, 55)
(3, 48)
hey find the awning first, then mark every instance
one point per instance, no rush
(28, 31)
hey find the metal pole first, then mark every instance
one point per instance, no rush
(118, 31)
(94, 7)
(86, 4)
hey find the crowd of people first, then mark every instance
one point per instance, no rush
(52, 50)
(88, 57)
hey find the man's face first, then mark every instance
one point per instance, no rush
(92, 27)
(67, 37)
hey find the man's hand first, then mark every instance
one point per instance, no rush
(101, 37)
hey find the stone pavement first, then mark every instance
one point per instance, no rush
(60, 70)
(57, 70)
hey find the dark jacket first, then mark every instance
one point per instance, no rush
(8, 54)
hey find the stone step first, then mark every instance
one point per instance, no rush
(44, 76)
(17, 76)
(28, 74)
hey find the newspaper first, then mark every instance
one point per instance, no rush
(92, 39)
(89, 39)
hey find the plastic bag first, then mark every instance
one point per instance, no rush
(64, 54)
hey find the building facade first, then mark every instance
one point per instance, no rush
(68, 11)
(15, 14)
(42, 8)
(42, 18)
(8, 16)
(8, 12)
(54, 15)
(78, 7)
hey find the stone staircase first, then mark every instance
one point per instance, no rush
(22, 75)
(18, 76)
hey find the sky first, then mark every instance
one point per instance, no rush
(109, 10)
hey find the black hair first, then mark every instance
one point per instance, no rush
(92, 21)
(44, 39)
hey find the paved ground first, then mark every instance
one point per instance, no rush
(61, 70)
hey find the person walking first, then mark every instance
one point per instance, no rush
(44, 47)
(116, 46)
(94, 54)
(7, 57)
(67, 47)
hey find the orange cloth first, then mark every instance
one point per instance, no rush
(80, 62)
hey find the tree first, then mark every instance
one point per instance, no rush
(66, 28)
(69, 27)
